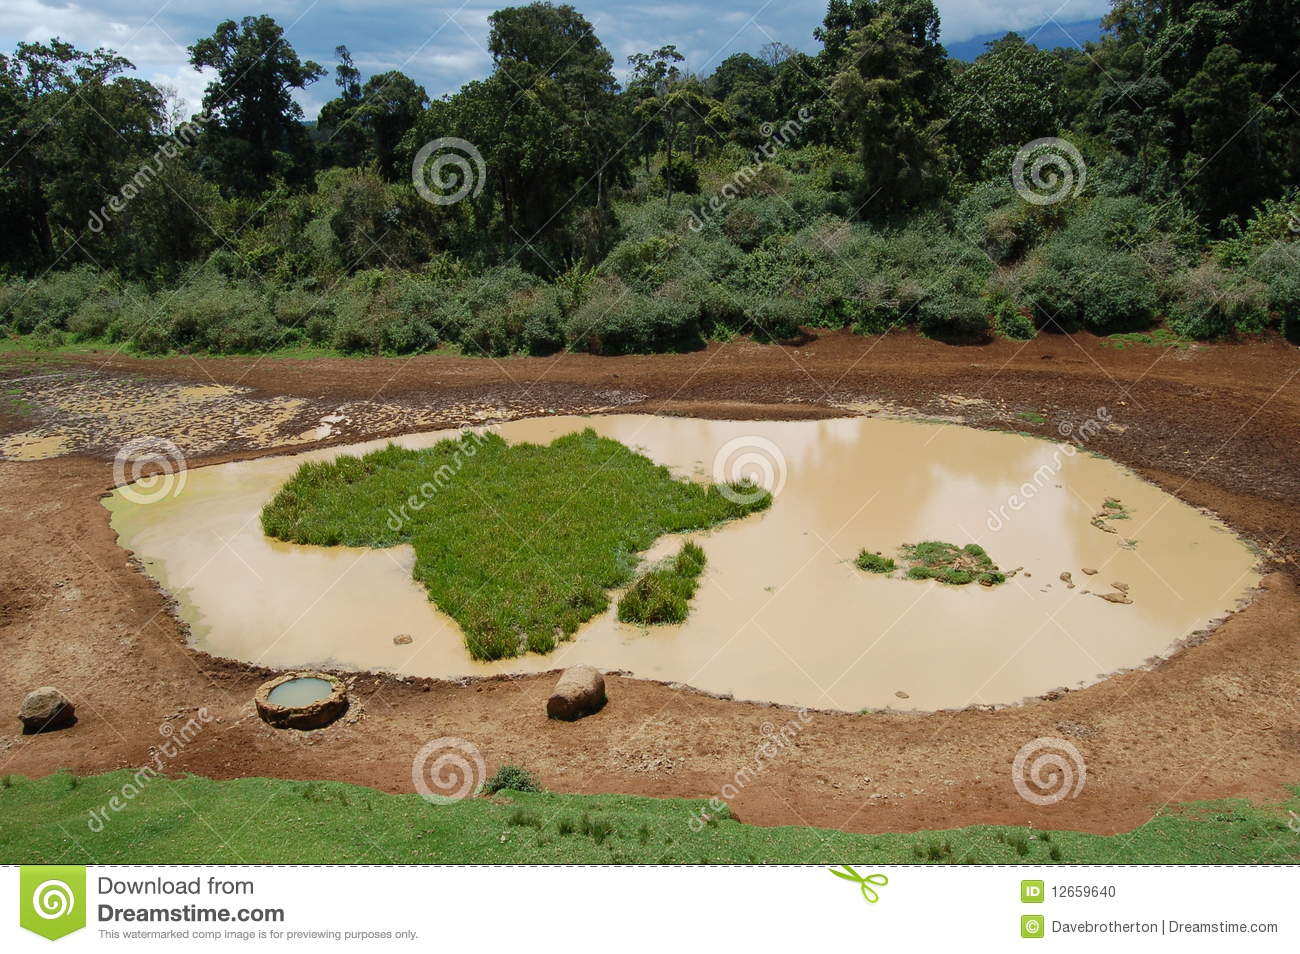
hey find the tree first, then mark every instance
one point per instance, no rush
(1231, 161)
(72, 134)
(882, 89)
(345, 139)
(774, 53)
(1008, 96)
(255, 131)
(366, 122)
(683, 115)
(553, 51)
(739, 69)
(651, 74)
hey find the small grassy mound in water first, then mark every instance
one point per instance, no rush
(517, 543)
(663, 594)
(949, 563)
(875, 562)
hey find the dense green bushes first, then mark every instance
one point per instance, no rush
(778, 258)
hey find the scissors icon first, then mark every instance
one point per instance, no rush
(864, 882)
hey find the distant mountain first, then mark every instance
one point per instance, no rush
(1046, 36)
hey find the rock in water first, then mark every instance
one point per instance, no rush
(580, 692)
(44, 710)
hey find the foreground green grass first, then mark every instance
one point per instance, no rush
(200, 821)
(518, 543)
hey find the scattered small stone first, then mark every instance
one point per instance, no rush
(1115, 597)
(902, 695)
(1122, 587)
(44, 710)
(1090, 571)
(1078, 730)
(402, 639)
(1067, 579)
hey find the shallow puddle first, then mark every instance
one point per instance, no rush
(782, 613)
(300, 692)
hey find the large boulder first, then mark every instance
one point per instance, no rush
(580, 692)
(44, 710)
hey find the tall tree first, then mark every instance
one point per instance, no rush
(344, 141)
(883, 88)
(366, 122)
(255, 131)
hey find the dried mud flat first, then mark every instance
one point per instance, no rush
(1217, 426)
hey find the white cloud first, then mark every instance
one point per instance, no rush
(390, 34)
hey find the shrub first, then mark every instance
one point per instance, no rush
(1088, 286)
(954, 310)
(1278, 267)
(778, 319)
(682, 175)
(1211, 302)
(53, 298)
(875, 562)
(616, 320)
(512, 778)
(643, 264)
(663, 594)
(1010, 322)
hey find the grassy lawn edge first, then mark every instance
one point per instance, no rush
(65, 818)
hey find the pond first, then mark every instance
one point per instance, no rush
(782, 613)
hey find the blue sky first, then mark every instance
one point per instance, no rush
(442, 45)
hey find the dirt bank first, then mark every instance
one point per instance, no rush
(1217, 426)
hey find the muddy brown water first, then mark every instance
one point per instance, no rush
(782, 614)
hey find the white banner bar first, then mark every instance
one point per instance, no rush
(789, 908)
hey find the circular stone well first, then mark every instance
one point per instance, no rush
(314, 714)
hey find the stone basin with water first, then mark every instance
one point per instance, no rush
(300, 692)
(782, 614)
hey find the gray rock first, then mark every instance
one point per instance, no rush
(46, 709)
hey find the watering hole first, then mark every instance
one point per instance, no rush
(300, 692)
(782, 613)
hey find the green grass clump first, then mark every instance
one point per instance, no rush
(517, 543)
(1033, 417)
(949, 563)
(663, 594)
(1159, 337)
(511, 778)
(875, 563)
(194, 820)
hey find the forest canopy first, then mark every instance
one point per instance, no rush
(1147, 179)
